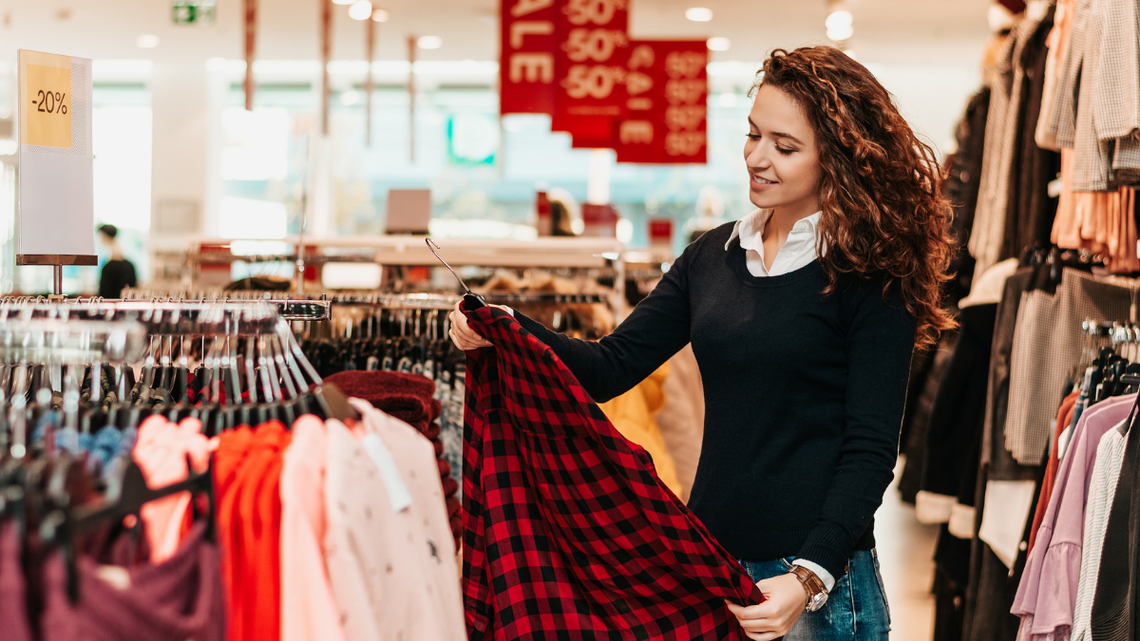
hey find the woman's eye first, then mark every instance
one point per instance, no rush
(753, 136)
(784, 150)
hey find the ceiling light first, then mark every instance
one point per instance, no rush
(839, 25)
(718, 44)
(429, 42)
(147, 41)
(343, 1)
(360, 10)
(840, 34)
(698, 14)
(379, 15)
(839, 19)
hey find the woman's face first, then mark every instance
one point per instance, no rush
(781, 155)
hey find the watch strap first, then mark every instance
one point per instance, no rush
(813, 585)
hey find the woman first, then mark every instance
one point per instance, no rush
(803, 316)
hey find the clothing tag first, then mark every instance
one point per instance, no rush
(398, 493)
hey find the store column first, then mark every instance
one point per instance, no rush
(187, 98)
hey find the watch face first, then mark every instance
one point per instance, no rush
(817, 601)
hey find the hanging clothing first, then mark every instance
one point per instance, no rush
(162, 451)
(955, 430)
(13, 586)
(1102, 488)
(383, 489)
(1047, 595)
(991, 587)
(308, 609)
(1064, 417)
(180, 598)
(632, 415)
(1039, 378)
(1114, 610)
(682, 418)
(410, 398)
(566, 525)
(1011, 207)
(247, 472)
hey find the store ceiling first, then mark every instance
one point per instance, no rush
(910, 32)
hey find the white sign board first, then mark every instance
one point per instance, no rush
(56, 215)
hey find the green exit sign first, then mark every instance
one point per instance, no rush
(194, 11)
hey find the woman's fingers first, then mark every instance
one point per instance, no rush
(461, 333)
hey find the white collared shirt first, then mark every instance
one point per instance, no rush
(799, 249)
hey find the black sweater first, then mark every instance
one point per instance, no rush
(804, 396)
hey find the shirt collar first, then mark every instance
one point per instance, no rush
(752, 226)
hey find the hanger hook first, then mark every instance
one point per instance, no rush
(433, 246)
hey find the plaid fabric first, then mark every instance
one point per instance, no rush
(568, 534)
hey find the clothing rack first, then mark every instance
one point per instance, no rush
(299, 308)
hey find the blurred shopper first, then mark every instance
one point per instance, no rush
(118, 273)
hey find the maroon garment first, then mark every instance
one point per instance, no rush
(567, 528)
(177, 600)
(13, 589)
(407, 397)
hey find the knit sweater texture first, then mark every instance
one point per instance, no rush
(804, 395)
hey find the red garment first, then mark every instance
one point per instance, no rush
(247, 475)
(566, 525)
(178, 599)
(1064, 417)
(13, 587)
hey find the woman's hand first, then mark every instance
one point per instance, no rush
(461, 333)
(784, 602)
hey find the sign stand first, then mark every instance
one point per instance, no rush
(56, 215)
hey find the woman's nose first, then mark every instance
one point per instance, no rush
(757, 157)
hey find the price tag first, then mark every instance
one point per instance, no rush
(48, 112)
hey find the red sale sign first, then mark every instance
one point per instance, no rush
(666, 104)
(591, 49)
(526, 56)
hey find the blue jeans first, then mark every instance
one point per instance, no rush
(856, 608)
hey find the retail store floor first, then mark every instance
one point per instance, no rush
(906, 553)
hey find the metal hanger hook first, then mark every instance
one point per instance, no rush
(433, 246)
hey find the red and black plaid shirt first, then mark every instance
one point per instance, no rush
(568, 534)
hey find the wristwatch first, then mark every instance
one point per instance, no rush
(813, 585)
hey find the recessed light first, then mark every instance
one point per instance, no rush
(718, 44)
(841, 33)
(360, 10)
(343, 1)
(379, 15)
(429, 42)
(698, 14)
(839, 19)
(839, 25)
(147, 41)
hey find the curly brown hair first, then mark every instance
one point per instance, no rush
(880, 187)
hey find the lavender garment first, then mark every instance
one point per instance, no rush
(13, 605)
(1047, 595)
(177, 600)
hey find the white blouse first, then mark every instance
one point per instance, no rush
(798, 251)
